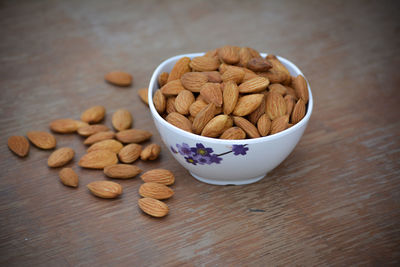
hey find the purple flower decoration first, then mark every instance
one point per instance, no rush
(215, 159)
(191, 160)
(173, 149)
(184, 149)
(239, 150)
(201, 150)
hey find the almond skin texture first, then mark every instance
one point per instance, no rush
(150, 152)
(233, 133)
(213, 76)
(233, 74)
(180, 121)
(279, 124)
(111, 145)
(229, 54)
(122, 119)
(153, 207)
(97, 137)
(254, 85)
(264, 125)
(180, 68)
(256, 114)
(66, 125)
(244, 56)
(217, 126)
(163, 79)
(278, 73)
(94, 114)
(196, 107)
(193, 81)
(203, 117)
(159, 101)
(144, 95)
(60, 157)
(156, 191)
(130, 153)
(275, 106)
(230, 97)
(300, 86)
(172, 88)
(170, 106)
(92, 129)
(299, 111)
(247, 104)
(259, 64)
(183, 101)
(278, 88)
(119, 78)
(133, 136)
(211, 92)
(98, 159)
(105, 189)
(19, 145)
(42, 140)
(204, 63)
(290, 102)
(246, 126)
(122, 171)
(161, 176)
(69, 177)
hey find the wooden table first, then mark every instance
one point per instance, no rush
(334, 201)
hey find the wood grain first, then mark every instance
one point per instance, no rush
(334, 201)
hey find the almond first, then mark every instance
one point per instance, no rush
(180, 121)
(163, 79)
(279, 124)
(254, 85)
(150, 152)
(291, 91)
(68, 177)
(275, 105)
(180, 68)
(203, 117)
(133, 136)
(144, 95)
(159, 101)
(19, 145)
(153, 207)
(253, 52)
(98, 159)
(278, 73)
(223, 67)
(105, 189)
(66, 125)
(183, 101)
(216, 126)
(97, 137)
(256, 114)
(193, 81)
(299, 111)
(211, 53)
(233, 74)
(290, 102)
(196, 107)
(122, 119)
(204, 63)
(211, 92)
(277, 88)
(259, 64)
(92, 129)
(300, 86)
(155, 190)
(244, 56)
(94, 114)
(110, 144)
(264, 125)
(170, 105)
(119, 78)
(233, 133)
(60, 157)
(122, 171)
(246, 126)
(213, 76)
(42, 140)
(130, 153)
(172, 88)
(248, 76)
(161, 176)
(247, 104)
(230, 97)
(229, 54)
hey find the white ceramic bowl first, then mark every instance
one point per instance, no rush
(225, 162)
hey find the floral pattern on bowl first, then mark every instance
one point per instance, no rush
(204, 155)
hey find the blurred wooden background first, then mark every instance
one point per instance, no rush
(334, 201)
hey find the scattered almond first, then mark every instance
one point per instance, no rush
(66, 125)
(92, 129)
(19, 145)
(122, 119)
(153, 207)
(94, 114)
(105, 189)
(160, 176)
(150, 152)
(156, 191)
(97, 137)
(110, 144)
(119, 78)
(144, 95)
(69, 177)
(60, 157)
(130, 153)
(122, 171)
(98, 159)
(42, 140)
(133, 136)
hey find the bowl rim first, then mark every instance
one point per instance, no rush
(154, 83)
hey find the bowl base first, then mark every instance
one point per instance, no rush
(223, 182)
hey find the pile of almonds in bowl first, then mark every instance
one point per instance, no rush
(231, 93)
